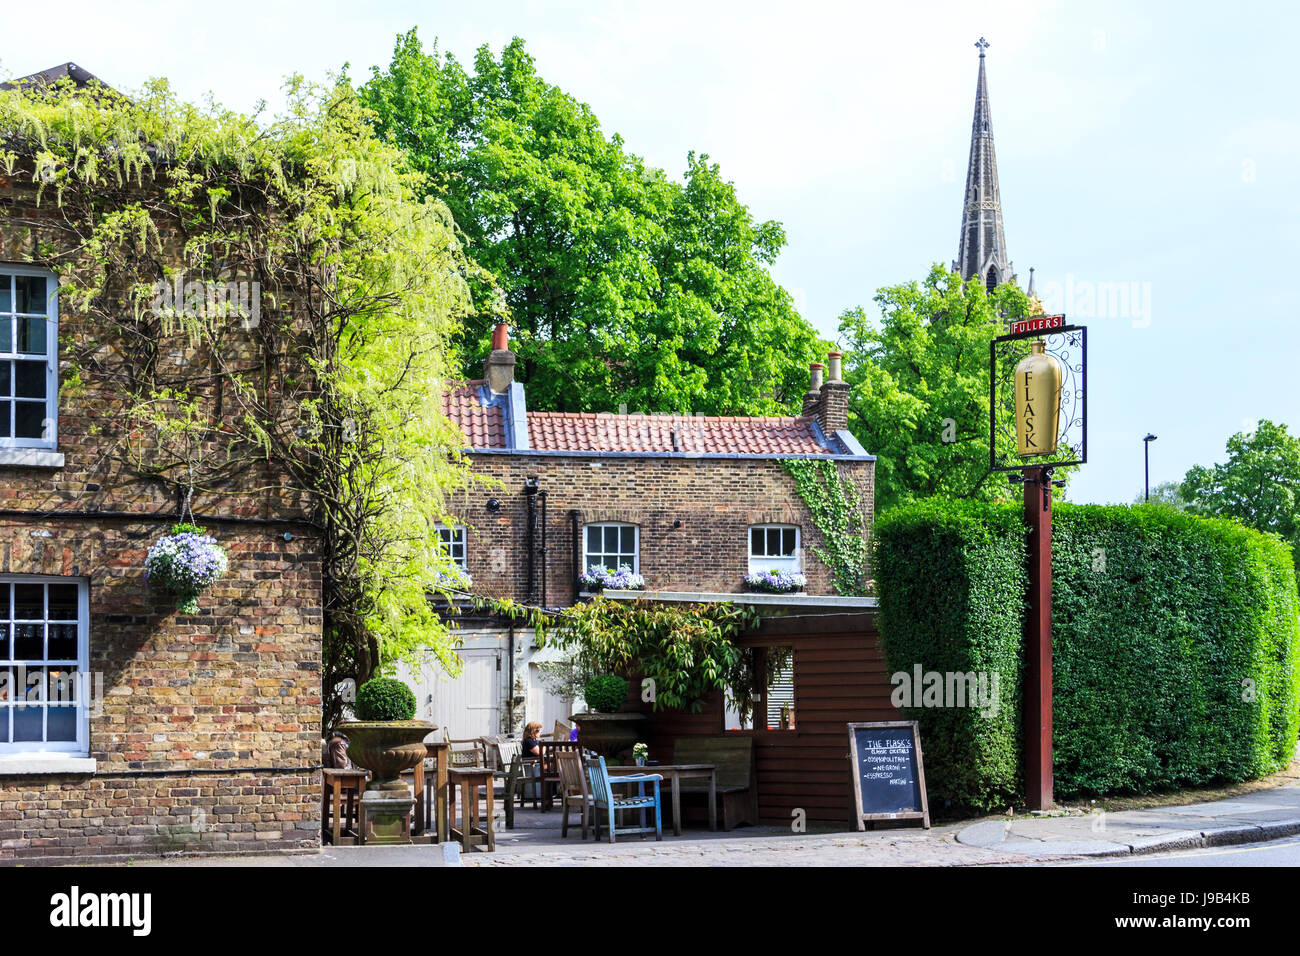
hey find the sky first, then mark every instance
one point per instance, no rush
(1148, 155)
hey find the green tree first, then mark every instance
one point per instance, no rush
(1166, 493)
(1259, 484)
(920, 398)
(624, 286)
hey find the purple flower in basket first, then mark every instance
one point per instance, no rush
(185, 562)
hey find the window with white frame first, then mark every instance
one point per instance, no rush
(452, 538)
(611, 546)
(44, 678)
(29, 360)
(773, 547)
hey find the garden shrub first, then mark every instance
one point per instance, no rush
(951, 579)
(385, 698)
(1176, 658)
(605, 693)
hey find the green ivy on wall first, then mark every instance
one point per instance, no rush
(837, 512)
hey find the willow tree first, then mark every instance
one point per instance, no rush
(329, 401)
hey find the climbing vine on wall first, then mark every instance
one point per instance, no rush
(837, 512)
(318, 389)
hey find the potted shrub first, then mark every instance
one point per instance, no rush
(603, 728)
(186, 561)
(386, 740)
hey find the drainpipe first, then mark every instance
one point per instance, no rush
(575, 518)
(530, 541)
(510, 693)
(544, 558)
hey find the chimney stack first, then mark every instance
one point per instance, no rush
(499, 369)
(833, 404)
(814, 394)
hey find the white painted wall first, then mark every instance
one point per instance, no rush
(472, 704)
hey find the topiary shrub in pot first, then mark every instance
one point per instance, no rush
(605, 693)
(385, 699)
(602, 728)
(385, 740)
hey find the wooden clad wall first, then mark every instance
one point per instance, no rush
(839, 677)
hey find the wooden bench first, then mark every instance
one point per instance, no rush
(737, 782)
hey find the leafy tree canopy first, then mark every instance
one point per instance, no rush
(920, 385)
(623, 286)
(1259, 484)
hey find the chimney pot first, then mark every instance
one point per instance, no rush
(833, 361)
(499, 369)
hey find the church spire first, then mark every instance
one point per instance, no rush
(982, 252)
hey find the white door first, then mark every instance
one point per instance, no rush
(469, 705)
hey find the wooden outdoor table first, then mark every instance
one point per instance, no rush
(336, 782)
(469, 779)
(676, 773)
(442, 827)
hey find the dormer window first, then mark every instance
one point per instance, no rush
(29, 359)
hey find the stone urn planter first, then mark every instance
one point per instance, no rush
(387, 748)
(609, 735)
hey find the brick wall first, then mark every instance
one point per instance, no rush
(236, 686)
(717, 500)
(210, 724)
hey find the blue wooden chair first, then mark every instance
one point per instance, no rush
(606, 804)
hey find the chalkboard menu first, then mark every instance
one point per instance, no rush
(888, 773)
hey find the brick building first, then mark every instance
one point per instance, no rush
(193, 732)
(692, 504)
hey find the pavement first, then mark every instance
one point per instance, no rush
(1265, 817)
(1257, 817)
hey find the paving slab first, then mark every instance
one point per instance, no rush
(1252, 818)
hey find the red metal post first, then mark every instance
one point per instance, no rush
(1038, 641)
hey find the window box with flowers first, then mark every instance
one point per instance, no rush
(600, 578)
(776, 581)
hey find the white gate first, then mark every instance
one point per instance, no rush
(466, 706)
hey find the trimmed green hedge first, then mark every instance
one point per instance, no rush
(1176, 652)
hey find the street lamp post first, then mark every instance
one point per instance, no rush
(1146, 455)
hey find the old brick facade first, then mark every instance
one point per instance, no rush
(693, 487)
(207, 733)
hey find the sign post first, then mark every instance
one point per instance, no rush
(1048, 393)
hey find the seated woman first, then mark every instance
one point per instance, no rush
(532, 735)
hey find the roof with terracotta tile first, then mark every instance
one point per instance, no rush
(484, 425)
(563, 431)
(487, 423)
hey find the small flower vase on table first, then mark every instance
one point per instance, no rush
(639, 753)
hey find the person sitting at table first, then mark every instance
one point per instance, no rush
(530, 745)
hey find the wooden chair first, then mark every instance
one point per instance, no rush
(606, 804)
(573, 790)
(561, 731)
(548, 772)
(463, 755)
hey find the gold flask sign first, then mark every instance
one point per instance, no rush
(1038, 402)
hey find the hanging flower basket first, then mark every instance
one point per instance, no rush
(776, 582)
(599, 578)
(186, 560)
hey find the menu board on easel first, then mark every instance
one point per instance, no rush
(888, 772)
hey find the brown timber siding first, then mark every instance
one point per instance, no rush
(839, 676)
